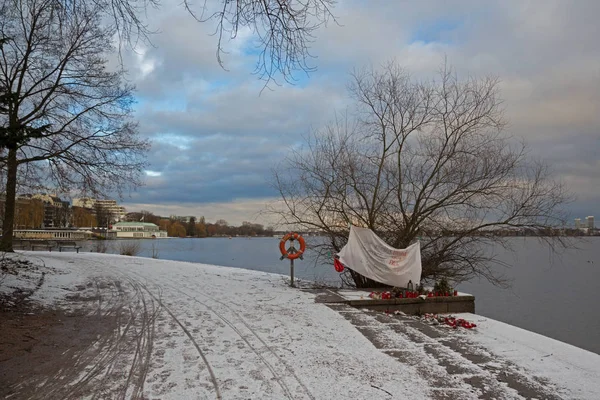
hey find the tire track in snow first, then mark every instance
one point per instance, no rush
(279, 380)
(88, 371)
(277, 377)
(134, 279)
(189, 335)
(136, 283)
(243, 321)
(99, 355)
(113, 349)
(145, 342)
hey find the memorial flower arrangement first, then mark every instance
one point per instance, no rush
(441, 289)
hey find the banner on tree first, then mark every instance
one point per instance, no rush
(370, 256)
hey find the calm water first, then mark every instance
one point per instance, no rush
(557, 296)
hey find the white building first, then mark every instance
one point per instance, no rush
(137, 230)
(590, 222)
(52, 234)
(110, 207)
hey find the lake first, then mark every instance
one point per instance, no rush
(557, 296)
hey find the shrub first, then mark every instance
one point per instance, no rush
(129, 248)
(100, 246)
(442, 286)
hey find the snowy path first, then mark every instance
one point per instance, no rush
(195, 331)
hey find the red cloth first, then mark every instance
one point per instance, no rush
(339, 267)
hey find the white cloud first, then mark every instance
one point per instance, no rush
(153, 174)
(216, 137)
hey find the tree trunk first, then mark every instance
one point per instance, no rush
(362, 281)
(6, 243)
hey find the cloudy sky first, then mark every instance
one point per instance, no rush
(216, 137)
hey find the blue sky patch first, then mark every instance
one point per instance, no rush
(437, 31)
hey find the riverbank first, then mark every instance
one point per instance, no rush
(142, 328)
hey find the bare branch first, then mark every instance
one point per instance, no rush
(68, 118)
(423, 161)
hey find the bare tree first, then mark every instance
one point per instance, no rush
(426, 161)
(191, 227)
(104, 216)
(66, 117)
(283, 30)
(142, 216)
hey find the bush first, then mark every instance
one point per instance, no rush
(442, 286)
(129, 248)
(100, 246)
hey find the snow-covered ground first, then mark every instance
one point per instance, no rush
(569, 366)
(202, 331)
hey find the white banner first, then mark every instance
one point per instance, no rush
(370, 256)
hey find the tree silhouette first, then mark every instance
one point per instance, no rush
(65, 113)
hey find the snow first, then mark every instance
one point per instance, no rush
(577, 369)
(354, 294)
(219, 332)
(261, 338)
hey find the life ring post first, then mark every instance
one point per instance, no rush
(292, 253)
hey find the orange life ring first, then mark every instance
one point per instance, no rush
(292, 236)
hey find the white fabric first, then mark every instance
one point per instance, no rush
(370, 256)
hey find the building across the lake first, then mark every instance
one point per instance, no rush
(108, 210)
(138, 230)
(587, 226)
(52, 234)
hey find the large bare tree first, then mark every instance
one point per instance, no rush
(421, 160)
(66, 118)
(283, 30)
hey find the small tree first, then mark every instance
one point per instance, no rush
(164, 225)
(176, 229)
(29, 213)
(62, 214)
(201, 228)
(130, 248)
(191, 227)
(424, 161)
(104, 216)
(211, 229)
(142, 216)
(82, 217)
(269, 231)
(221, 227)
(64, 114)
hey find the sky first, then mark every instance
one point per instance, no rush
(216, 136)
